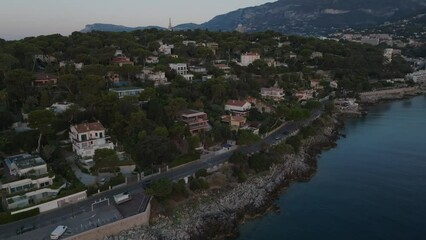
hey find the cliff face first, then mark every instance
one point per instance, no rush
(220, 217)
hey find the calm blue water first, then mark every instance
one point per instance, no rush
(371, 186)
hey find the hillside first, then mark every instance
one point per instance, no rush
(103, 27)
(313, 17)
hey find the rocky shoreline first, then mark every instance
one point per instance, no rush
(219, 215)
(369, 98)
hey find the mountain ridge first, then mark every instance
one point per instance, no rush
(299, 17)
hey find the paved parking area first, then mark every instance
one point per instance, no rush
(81, 222)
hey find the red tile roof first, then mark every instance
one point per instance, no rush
(87, 127)
(238, 103)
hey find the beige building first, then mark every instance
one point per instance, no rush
(249, 58)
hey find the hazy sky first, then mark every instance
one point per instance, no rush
(22, 18)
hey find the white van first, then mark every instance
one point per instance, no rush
(58, 232)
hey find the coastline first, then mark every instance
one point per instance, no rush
(219, 216)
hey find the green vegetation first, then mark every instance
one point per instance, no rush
(149, 127)
(106, 160)
(161, 189)
(187, 158)
(246, 137)
(6, 217)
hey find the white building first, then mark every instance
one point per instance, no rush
(127, 91)
(189, 42)
(238, 107)
(159, 78)
(273, 92)
(118, 52)
(152, 60)
(182, 70)
(417, 77)
(333, 84)
(26, 164)
(316, 55)
(33, 167)
(198, 69)
(27, 184)
(387, 54)
(165, 49)
(87, 137)
(60, 107)
(249, 58)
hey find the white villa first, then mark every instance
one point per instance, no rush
(26, 172)
(237, 107)
(274, 93)
(182, 70)
(87, 137)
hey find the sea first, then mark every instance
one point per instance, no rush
(372, 185)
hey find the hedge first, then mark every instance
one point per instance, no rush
(7, 217)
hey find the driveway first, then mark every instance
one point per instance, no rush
(84, 178)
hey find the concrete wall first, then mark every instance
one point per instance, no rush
(56, 203)
(115, 227)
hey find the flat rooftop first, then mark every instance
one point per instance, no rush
(122, 89)
(23, 161)
(191, 112)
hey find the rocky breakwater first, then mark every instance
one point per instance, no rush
(388, 94)
(218, 215)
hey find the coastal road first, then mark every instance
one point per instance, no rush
(73, 211)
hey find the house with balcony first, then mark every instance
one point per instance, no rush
(274, 93)
(158, 78)
(238, 107)
(182, 70)
(87, 137)
(195, 120)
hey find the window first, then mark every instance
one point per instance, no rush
(96, 134)
(83, 137)
(101, 135)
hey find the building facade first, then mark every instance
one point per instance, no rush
(26, 172)
(87, 137)
(127, 91)
(249, 58)
(274, 93)
(195, 120)
(238, 107)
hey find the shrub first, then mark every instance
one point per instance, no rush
(187, 158)
(7, 217)
(198, 184)
(201, 173)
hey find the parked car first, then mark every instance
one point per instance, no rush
(24, 229)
